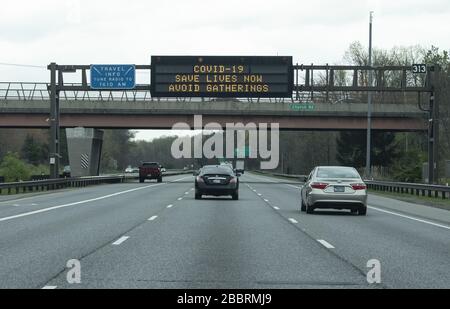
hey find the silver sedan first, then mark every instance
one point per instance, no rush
(335, 187)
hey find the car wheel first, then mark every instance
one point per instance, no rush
(362, 211)
(198, 196)
(309, 209)
(302, 205)
(235, 196)
(141, 180)
(160, 179)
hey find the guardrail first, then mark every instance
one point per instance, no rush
(417, 189)
(436, 191)
(75, 182)
(54, 184)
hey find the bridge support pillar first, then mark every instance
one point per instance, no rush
(85, 148)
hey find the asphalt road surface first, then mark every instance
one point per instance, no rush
(158, 236)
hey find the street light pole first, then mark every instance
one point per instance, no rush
(369, 106)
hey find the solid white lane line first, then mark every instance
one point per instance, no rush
(276, 208)
(325, 244)
(410, 218)
(293, 220)
(152, 218)
(75, 203)
(169, 206)
(120, 240)
(49, 287)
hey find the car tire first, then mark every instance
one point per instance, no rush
(198, 196)
(235, 196)
(309, 209)
(362, 211)
(302, 205)
(160, 179)
(141, 180)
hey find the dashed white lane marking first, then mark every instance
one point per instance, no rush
(276, 208)
(49, 287)
(259, 194)
(325, 244)
(180, 198)
(266, 200)
(76, 203)
(186, 193)
(152, 218)
(16, 205)
(34, 204)
(120, 240)
(169, 206)
(293, 220)
(410, 218)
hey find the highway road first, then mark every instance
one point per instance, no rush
(153, 235)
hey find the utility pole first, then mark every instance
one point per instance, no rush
(369, 105)
(54, 123)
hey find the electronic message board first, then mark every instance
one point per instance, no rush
(222, 76)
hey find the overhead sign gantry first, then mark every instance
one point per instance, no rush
(222, 76)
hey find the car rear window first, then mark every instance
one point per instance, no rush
(325, 172)
(217, 170)
(150, 164)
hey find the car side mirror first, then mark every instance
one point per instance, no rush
(305, 179)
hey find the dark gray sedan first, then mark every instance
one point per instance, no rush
(217, 181)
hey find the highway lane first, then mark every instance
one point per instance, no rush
(215, 243)
(412, 242)
(159, 236)
(35, 247)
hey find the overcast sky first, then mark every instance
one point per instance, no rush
(111, 31)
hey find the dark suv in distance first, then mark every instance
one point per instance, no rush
(216, 180)
(150, 170)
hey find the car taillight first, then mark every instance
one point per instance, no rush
(319, 185)
(200, 179)
(358, 186)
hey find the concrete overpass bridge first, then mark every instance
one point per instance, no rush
(27, 105)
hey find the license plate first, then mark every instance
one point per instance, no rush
(216, 181)
(339, 189)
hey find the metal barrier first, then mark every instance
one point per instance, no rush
(30, 91)
(76, 182)
(417, 189)
(54, 184)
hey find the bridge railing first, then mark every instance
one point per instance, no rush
(25, 91)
